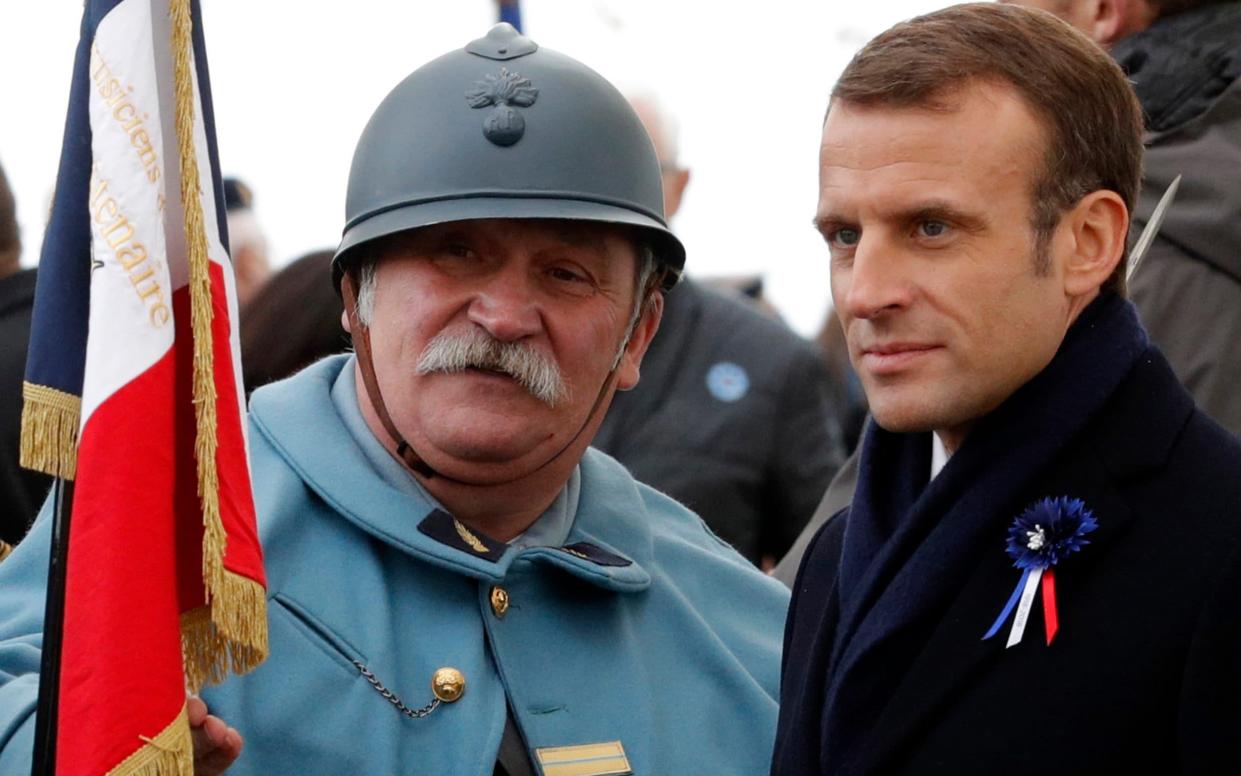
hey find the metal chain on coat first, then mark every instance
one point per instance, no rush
(392, 698)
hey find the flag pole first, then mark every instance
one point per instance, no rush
(510, 11)
(44, 763)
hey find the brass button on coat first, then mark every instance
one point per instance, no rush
(499, 601)
(448, 684)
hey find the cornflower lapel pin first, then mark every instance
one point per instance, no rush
(1047, 532)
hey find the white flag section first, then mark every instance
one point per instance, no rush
(137, 220)
(131, 321)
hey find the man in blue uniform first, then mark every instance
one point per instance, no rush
(457, 584)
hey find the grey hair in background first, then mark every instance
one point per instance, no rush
(660, 124)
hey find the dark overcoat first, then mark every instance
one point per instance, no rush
(1145, 673)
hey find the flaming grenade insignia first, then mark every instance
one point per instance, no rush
(506, 92)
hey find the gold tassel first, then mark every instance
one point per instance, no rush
(214, 539)
(171, 753)
(230, 634)
(50, 420)
(232, 631)
(5, 550)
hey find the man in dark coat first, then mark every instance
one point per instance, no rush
(1184, 59)
(1058, 590)
(732, 417)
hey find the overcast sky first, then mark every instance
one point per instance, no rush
(294, 83)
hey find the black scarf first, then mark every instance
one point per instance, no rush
(909, 547)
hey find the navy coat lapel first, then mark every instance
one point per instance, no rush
(1109, 452)
(955, 652)
(807, 646)
(922, 566)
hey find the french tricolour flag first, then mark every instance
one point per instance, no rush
(132, 391)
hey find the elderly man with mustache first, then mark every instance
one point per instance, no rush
(457, 584)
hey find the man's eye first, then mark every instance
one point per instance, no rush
(460, 250)
(566, 275)
(932, 228)
(844, 238)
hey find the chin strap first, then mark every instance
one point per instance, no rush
(362, 345)
(361, 336)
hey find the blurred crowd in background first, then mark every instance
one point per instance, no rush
(737, 416)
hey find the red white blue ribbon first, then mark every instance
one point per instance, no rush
(1048, 531)
(1022, 599)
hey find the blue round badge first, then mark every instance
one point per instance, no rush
(727, 382)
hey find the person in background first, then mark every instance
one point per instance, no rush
(1040, 571)
(847, 394)
(21, 491)
(292, 322)
(247, 245)
(732, 416)
(1184, 60)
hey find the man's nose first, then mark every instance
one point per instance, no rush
(877, 280)
(505, 305)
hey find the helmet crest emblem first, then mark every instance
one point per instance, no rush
(506, 92)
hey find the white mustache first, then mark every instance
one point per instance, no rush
(475, 349)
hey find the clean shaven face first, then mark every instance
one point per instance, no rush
(927, 215)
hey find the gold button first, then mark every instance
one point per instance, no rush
(448, 684)
(499, 601)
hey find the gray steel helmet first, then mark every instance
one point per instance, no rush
(504, 129)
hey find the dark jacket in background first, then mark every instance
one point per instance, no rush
(21, 491)
(731, 418)
(1186, 70)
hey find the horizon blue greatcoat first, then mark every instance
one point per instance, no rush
(647, 630)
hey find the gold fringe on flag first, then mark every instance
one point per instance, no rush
(50, 420)
(236, 636)
(171, 753)
(211, 647)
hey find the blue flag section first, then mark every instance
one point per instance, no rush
(510, 11)
(57, 355)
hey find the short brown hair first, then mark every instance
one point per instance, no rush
(1088, 111)
(10, 241)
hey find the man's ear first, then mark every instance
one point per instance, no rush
(1111, 20)
(344, 322)
(627, 371)
(1097, 227)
